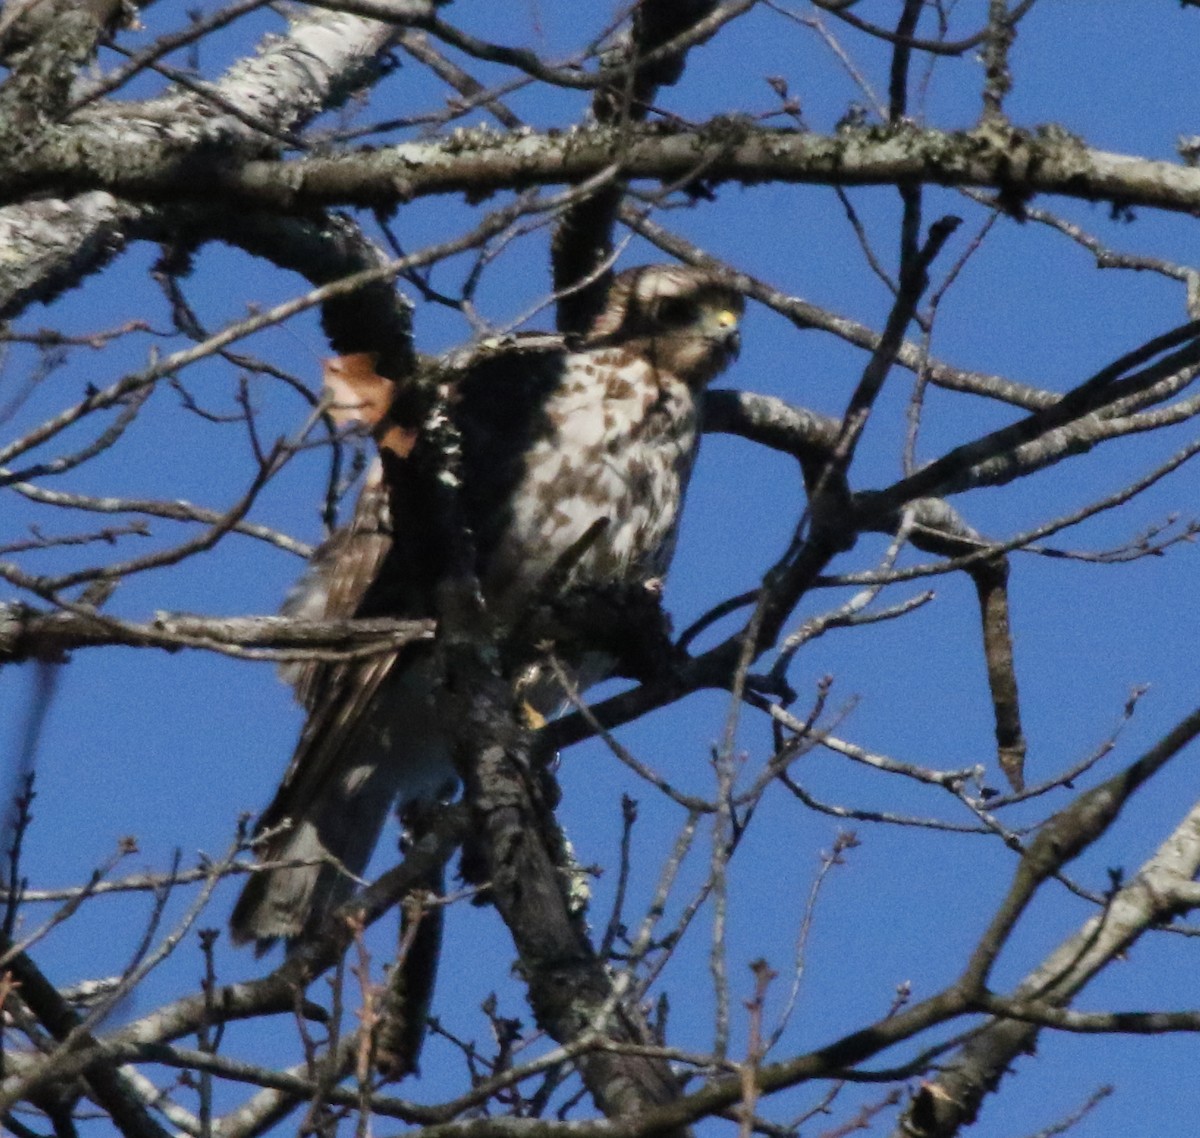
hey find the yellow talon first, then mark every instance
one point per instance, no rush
(531, 717)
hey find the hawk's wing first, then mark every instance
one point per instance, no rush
(335, 694)
(336, 582)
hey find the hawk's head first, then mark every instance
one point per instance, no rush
(683, 319)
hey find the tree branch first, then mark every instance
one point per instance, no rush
(481, 161)
(1158, 891)
(30, 634)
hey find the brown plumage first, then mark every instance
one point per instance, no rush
(555, 438)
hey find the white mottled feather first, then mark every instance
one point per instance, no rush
(563, 437)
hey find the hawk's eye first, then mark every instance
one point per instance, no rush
(676, 311)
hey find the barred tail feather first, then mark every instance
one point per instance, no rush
(335, 835)
(334, 824)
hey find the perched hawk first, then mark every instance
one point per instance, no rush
(573, 453)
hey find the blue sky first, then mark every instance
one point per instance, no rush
(171, 748)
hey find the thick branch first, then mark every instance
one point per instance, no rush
(583, 239)
(570, 988)
(55, 243)
(725, 150)
(27, 633)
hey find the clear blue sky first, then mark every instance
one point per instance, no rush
(172, 748)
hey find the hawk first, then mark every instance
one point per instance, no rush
(575, 457)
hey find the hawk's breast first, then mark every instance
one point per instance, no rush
(616, 444)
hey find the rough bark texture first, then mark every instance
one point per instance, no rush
(520, 851)
(138, 162)
(583, 240)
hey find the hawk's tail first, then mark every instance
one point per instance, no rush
(328, 824)
(326, 844)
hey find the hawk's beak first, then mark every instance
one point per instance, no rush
(725, 332)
